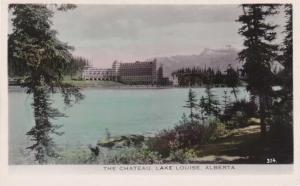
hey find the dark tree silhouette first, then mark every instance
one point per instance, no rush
(199, 76)
(287, 60)
(282, 111)
(201, 107)
(211, 106)
(259, 53)
(232, 80)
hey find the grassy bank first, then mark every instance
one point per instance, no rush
(242, 145)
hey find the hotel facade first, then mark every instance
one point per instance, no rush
(143, 73)
(91, 73)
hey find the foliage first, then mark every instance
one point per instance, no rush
(75, 66)
(201, 109)
(282, 110)
(183, 136)
(284, 98)
(192, 105)
(184, 119)
(40, 133)
(259, 52)
(226, 106)
(167, 146)
(232, 80)
(219, 131)
(38, 56)
(198, 76)
(287, 58)
(248, 109)
(209, 105)
(237, 114)
(34, 48)
(182, 155)
(135, 156)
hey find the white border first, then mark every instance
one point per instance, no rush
(94, 175)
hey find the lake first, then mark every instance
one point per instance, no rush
(120, 111)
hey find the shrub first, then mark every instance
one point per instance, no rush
(190, 154)
(231, 124)
(247, 108)
(162, 142)
(135, 156)
(177, 156)
(182, 155)
(184, 136)
(219, 131)
(238, 113)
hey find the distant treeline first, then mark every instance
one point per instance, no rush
(197, 76)
(75, 66)
(71, 68)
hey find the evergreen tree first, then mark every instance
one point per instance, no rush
(184, 119)
(192, 105)
(226, 106)
(259, 53)
(232, 80)
(226, 100)
(40, 133)
(287, 61)
(218, 77)
(34, 48)
(202, 106)
(283, 106)
(212, 104)
(75, 66)
(198, 76)
(209, 105)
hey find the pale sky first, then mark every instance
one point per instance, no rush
(104, 33)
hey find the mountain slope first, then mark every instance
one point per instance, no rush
(214, 58)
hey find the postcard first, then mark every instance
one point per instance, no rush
(173, 92)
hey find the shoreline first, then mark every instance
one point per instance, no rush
(117, 85)
(125, 87)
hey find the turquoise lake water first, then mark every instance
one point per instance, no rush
(121, 111)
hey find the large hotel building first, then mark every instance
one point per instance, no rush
(129, 73)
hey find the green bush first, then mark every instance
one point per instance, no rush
(182, 155)
(184, 136)
(177, 156)
(174, 145)
(135, 156)
(219, 131)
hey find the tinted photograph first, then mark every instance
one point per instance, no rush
(150, 84)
